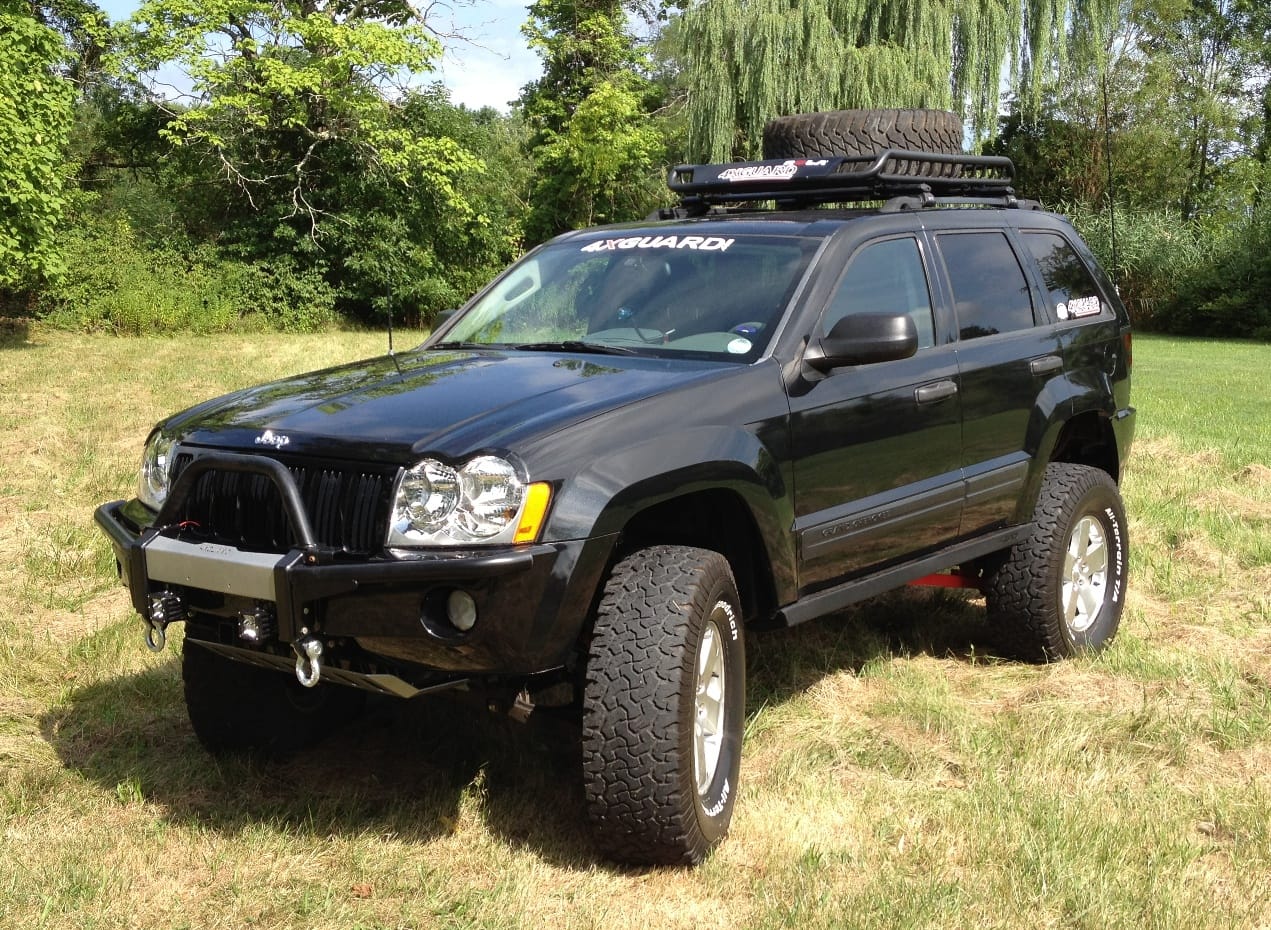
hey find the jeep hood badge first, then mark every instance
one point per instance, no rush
(270, 438)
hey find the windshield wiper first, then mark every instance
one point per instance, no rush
(576, 345)
(456, 344)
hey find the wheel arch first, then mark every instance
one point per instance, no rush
(719, 520)
(717, 488)
(1077, 433)
(1088, 439)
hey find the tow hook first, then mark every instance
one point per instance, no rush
(156, 635)
(165, 608)
(519, 708)
(308, 660)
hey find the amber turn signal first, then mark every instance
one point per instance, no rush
(537, 497)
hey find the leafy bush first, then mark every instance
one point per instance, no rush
(113, 281)
(1208, 277)
(1155, 255)
(1230, 294)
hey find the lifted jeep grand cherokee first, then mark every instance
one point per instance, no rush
(640, 440)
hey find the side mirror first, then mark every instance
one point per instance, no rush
(441, 317)
(863, 339)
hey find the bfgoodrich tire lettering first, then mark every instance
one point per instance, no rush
(663, 707)
(1060, 591)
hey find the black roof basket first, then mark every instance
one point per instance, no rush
(912, 179)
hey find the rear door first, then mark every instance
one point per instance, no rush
(877, 447)
(1007, 352)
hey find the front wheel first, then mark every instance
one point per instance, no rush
(664, 706)
(1060, 591)
(238, 709)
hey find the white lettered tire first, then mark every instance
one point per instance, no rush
(664, 707)
(1060, 591)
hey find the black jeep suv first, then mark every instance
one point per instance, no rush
(819, 377)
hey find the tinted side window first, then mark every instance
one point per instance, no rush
(1071, 288)
(990, 291)
(886, 277)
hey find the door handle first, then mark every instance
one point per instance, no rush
(934, 393)
(1046, 365)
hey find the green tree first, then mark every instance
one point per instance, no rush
(1096, 94)
(284, 93)
(402, 249)
(1207, 53)
(594, 148)
(1172, 85)
(35, 118)
(745, 61)
(305, 112)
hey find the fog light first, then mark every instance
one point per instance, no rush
(165, 607)
(461, 610)
(255, 625)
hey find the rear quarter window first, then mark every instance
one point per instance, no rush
(1069, 285)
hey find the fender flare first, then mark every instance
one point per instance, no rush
(1061, 401)
(600, 501)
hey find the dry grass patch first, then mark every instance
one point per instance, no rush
(896, 772)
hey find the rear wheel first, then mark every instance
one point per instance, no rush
(1060, 591)
(240, 709)
(663, 707)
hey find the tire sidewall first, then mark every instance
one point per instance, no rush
(1102, 503)
(713, 810)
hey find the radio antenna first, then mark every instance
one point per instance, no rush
(1112, 199)
(388, 306)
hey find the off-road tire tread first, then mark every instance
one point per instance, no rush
(239, 709)
(863, 132)
(641, 808)
(1020, 588)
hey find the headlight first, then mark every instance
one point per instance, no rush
(482, 502)
(156, 470)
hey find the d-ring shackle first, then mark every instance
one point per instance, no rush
(308, 660)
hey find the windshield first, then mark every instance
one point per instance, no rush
(664, 295)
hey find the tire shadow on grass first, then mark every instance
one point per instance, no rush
(946, 624)
(413, 769)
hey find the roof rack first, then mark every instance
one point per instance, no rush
(911, 180)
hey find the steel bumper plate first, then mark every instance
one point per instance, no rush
(213, 567)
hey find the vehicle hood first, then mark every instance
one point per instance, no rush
(447, 403)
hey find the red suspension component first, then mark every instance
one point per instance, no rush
(954, 579)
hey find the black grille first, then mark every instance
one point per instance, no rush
(347, 507)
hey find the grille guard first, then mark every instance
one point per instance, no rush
(269, 468)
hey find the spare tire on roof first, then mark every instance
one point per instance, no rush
(862, 132)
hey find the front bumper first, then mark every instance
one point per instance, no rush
(531, 600)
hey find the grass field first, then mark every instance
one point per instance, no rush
(895, 774)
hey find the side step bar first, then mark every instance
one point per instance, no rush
(816, 605)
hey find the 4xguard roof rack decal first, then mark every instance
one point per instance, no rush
(910, 179)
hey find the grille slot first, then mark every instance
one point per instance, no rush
(347, 506)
